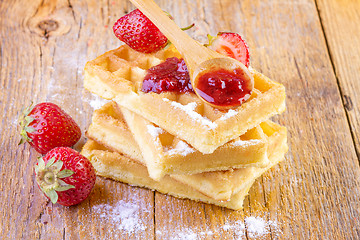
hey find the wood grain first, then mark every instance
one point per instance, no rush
(313, 194)
(43, 55)
(318, 179)
(340, 22)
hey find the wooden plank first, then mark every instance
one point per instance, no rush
(340, 20)
(42, 57)
(313, 194)
(310, 195)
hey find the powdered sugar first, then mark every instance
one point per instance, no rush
(123, 215)
(189, 109)
(97, 102)
(253, 227)
(245, 143)
(237, 226)
(154, 131)
(181, 148)
(188, 234)
(229, 114)
(257, 227)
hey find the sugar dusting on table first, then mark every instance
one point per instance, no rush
(123, 215)
(125, 218)
(253, 227)
(257, 227)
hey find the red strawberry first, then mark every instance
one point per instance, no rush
(232, 45)
(137, 31)
(46, 126)
(65, 176)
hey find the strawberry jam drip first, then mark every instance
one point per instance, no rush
(224, 88)
(169, 76)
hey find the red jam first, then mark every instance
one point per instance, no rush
(224, 88)
(169, 76)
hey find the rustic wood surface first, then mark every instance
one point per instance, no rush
(311, 46)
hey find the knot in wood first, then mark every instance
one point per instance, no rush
(48, 26)
(348, 103)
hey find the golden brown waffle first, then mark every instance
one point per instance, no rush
(109, 129)
(164, 153)
(118, 75)
(119, 167)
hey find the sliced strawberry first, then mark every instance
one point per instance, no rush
(232, 45)
(139, 33)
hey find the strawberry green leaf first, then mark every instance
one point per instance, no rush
(50, 162)
(52, 194)
(22, 140)
(28, 120)
(63, 186)
(24, 137)
(57, 166)
(28, 109)
(41, 163)
(29, 129)
(65, 173)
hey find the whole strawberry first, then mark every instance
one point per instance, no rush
(139, 33)
(46, 126)
(231, 45)
(65, 176)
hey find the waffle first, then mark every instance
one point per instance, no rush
(117, 166)
(164, 153)
(118, 75)
(109, 129)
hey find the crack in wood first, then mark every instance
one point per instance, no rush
(37, 9)
(266, 206)
(80, 27)
(298, 69)
(348, 103)
(204, 18)
(222, 15)
(154, 215)
(108, 18)
(352, 131)
(72, 10)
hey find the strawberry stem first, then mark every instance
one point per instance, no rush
(188, 27)
(211, 40)
(48, 177)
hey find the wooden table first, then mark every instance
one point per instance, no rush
(311, 46)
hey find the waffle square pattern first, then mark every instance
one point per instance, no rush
(118, 75)
(163, 153)
(116, 155)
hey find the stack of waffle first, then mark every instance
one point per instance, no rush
(174, 142)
